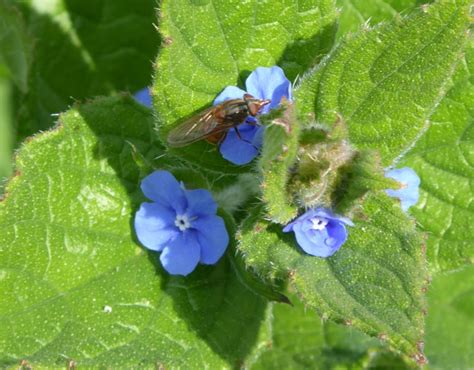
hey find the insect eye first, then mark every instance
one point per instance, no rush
(256, 106)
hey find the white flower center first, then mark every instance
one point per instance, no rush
(318, 223)
(182, 222)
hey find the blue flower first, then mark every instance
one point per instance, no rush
(180, 223)
(143, 97)
(409, 190)
(319, 232)
(263, 83)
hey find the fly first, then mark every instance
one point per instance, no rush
(213, 123)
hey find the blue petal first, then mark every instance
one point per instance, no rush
(200, 203)
(230, 92)
(143, 97)
(161, 186)
(154, 225)
(257, 140)
(300, 219)
(289, 227)
(408, 197)
(241, 151)
(409, 192)
(251, 121)
(327, 213)
(213, 238)
(269, 83)
(337, 233)
(181, 255)
(313, 241)
(405, 175)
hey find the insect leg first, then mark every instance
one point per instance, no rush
(241, 138)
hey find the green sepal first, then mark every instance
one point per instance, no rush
(320, 165)
(280, 148)
(363, 174)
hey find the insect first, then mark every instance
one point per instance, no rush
(213, 123)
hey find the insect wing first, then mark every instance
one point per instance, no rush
(194, 129)
(206, 123)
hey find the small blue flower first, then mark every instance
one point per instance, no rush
(263, 83)
(180, 223)
(409, 191)
(319, 232)
(143, 97)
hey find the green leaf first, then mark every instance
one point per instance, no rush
(444, 160)
(301, 340)
(450, 320)
(75, 285)
(211, 44)
(385, 82)
(297, 340)
(374, 282)
(15, 45)
(6, 134)
(355, 13)
(84, 49)
(119, 37)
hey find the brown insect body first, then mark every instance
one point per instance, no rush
(213, 123)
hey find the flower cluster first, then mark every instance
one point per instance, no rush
(180, 223)
(262, 83)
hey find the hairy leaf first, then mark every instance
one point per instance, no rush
(76, 286)
(385, 82)
(450, 320)
(355, 13)
(301, 340)
(211, 44)
(444, 160)
(374, 282)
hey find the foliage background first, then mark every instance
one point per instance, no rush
(67, 253)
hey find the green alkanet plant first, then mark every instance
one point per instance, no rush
(108, 261)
